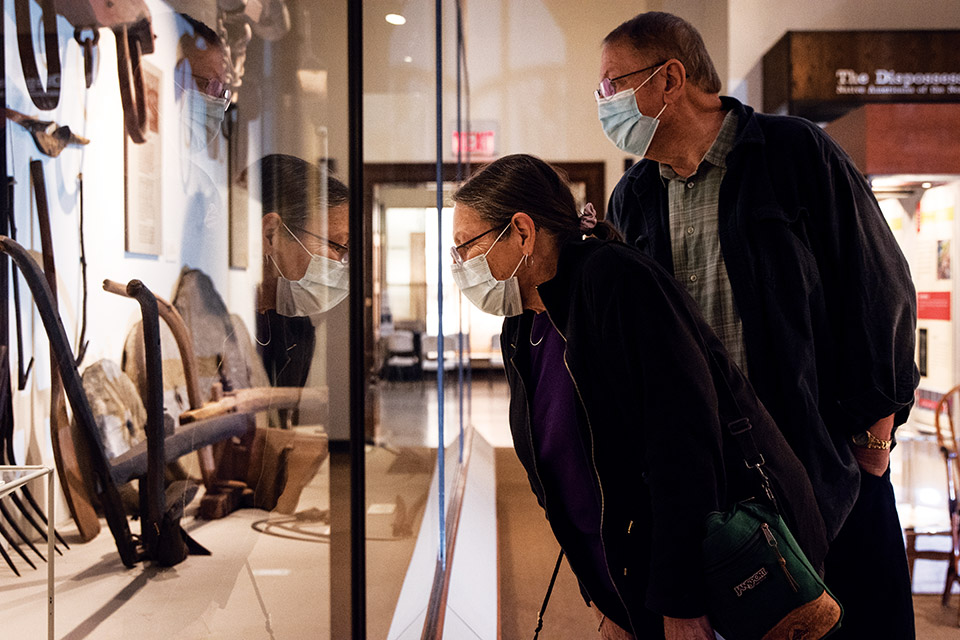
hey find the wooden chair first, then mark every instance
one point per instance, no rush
(948, 439)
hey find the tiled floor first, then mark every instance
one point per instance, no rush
(258, 585)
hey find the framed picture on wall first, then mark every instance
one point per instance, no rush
(238, 195)
(143, 170)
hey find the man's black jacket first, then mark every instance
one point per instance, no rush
(825, 295)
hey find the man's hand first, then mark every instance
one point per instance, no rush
(876, 461)
(688, 628)
(873, 461)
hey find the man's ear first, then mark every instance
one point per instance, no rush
(270, 224)
(676, 80)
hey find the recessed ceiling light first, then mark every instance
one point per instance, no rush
(396, 18)
(407, 59)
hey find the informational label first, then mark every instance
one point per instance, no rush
(933, 305)
(144, 193)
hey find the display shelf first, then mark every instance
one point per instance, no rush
(11, 479)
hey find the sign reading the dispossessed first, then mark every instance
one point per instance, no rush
(821, 75)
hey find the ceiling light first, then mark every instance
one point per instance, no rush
(396, 18)
(927, 185)
(407, 59)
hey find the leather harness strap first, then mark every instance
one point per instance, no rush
(45, 97)
(133, 41)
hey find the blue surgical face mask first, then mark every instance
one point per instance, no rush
(324, 285)
(201, 116)
(476, 282)
(623, 123)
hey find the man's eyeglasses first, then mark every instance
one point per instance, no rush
(607, 86)
(340, 250)
(455, 251)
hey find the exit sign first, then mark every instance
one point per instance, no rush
(480, 140)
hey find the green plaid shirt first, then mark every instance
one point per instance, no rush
(695, 240)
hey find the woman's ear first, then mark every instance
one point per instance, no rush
(270, 224)
(526, 230)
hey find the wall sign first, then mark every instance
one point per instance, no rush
(821, 75)
(480, 140)
(933, 305)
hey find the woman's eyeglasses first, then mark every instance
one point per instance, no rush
(455, 251)
(341, 250)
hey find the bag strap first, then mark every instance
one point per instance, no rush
(546, 597)
(740, 428)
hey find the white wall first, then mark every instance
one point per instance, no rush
(193, 207)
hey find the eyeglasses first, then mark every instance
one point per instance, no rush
(213, 87)
(607, 89)
(340, 250)
(455, 251)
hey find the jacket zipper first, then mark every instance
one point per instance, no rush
(593, 459)
(533, 452)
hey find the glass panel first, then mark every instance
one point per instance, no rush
(416, 365)
(212, 170)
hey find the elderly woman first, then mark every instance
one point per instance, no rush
(613, 408)
(304, 233)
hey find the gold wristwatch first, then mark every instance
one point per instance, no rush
(867, 440)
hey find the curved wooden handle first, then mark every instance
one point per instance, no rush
(181, 334)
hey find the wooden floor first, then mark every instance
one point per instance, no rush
(528, 552)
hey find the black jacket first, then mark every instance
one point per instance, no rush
(637, 351)
(825, 295)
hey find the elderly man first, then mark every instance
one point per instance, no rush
(778, 238)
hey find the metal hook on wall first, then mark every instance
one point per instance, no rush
(88, 44)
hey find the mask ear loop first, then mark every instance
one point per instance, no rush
(278, 267)
(301, 244)
(496, 241)
(656, 117)
(523, 260)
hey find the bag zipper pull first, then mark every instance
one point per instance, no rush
(776, 548)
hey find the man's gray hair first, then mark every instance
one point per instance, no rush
(667, 36)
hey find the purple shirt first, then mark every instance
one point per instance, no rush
(570, 485)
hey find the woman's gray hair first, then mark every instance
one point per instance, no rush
(667, 36)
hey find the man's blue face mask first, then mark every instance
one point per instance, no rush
(622, 122)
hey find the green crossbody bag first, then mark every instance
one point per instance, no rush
(759, 584)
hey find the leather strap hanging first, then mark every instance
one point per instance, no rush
(130, 22)
(133, 41)
(45, 97)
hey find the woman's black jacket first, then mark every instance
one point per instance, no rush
(636, 349)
